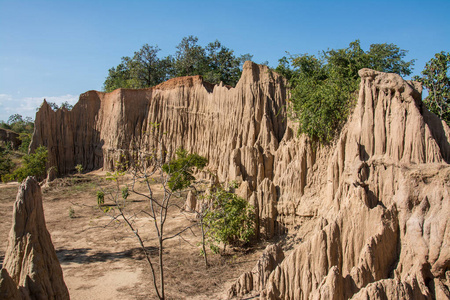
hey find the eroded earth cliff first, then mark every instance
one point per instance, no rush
(370, 212)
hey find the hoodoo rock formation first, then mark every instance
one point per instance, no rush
(373, 209)
(237, 129)
(370, 211)
(31, 269)
(255, 280)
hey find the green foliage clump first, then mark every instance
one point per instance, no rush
(6, 165)
(23, 126)
(230, 220)
(65, 105)
(125, 193)
(215, 63)
(323, 88)
(25, 138)
(180, 170)
(33, 164)
(18, 124)
(79, 168)
(436, 78)
(100, 198)
(71, 213)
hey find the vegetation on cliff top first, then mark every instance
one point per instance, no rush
(215, 63)
(436, 78)
(324, 86)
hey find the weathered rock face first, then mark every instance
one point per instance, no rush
(8, 288)
(31, 269)
(10, 137)
(255, 280)
(237, 129)
(379, 206)
(370, 210)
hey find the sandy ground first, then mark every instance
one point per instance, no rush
(102, 259)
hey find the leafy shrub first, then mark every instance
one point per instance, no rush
(180, 170)
(230, 220)
(33, 164)
(6, 165)
(25, 139)
(323, 88)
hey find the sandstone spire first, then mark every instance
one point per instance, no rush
(30, 260)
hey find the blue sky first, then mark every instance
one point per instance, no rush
(60, 49)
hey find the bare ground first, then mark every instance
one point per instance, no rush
(102, 259)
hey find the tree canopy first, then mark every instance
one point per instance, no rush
(324, 86)
(18, 124)
(215, 63)
(436, 78)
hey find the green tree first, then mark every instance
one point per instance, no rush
(119, 77)
(215, 63)
(66, 105)
(53, 105)
(436, 78)
(16, 118)
(222, 64)
(190, 58)
(19, 124)
(144, 69)
(324, 87)
(25, 139)
(147, 68)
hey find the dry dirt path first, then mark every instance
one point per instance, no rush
(101, 262)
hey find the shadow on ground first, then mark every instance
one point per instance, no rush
(86, 256)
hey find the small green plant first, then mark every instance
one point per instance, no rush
(71, 213)
(125, 193)
(100, 198)
(230, 220)
(79, 168)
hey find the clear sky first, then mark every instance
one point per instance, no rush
(60, 49)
